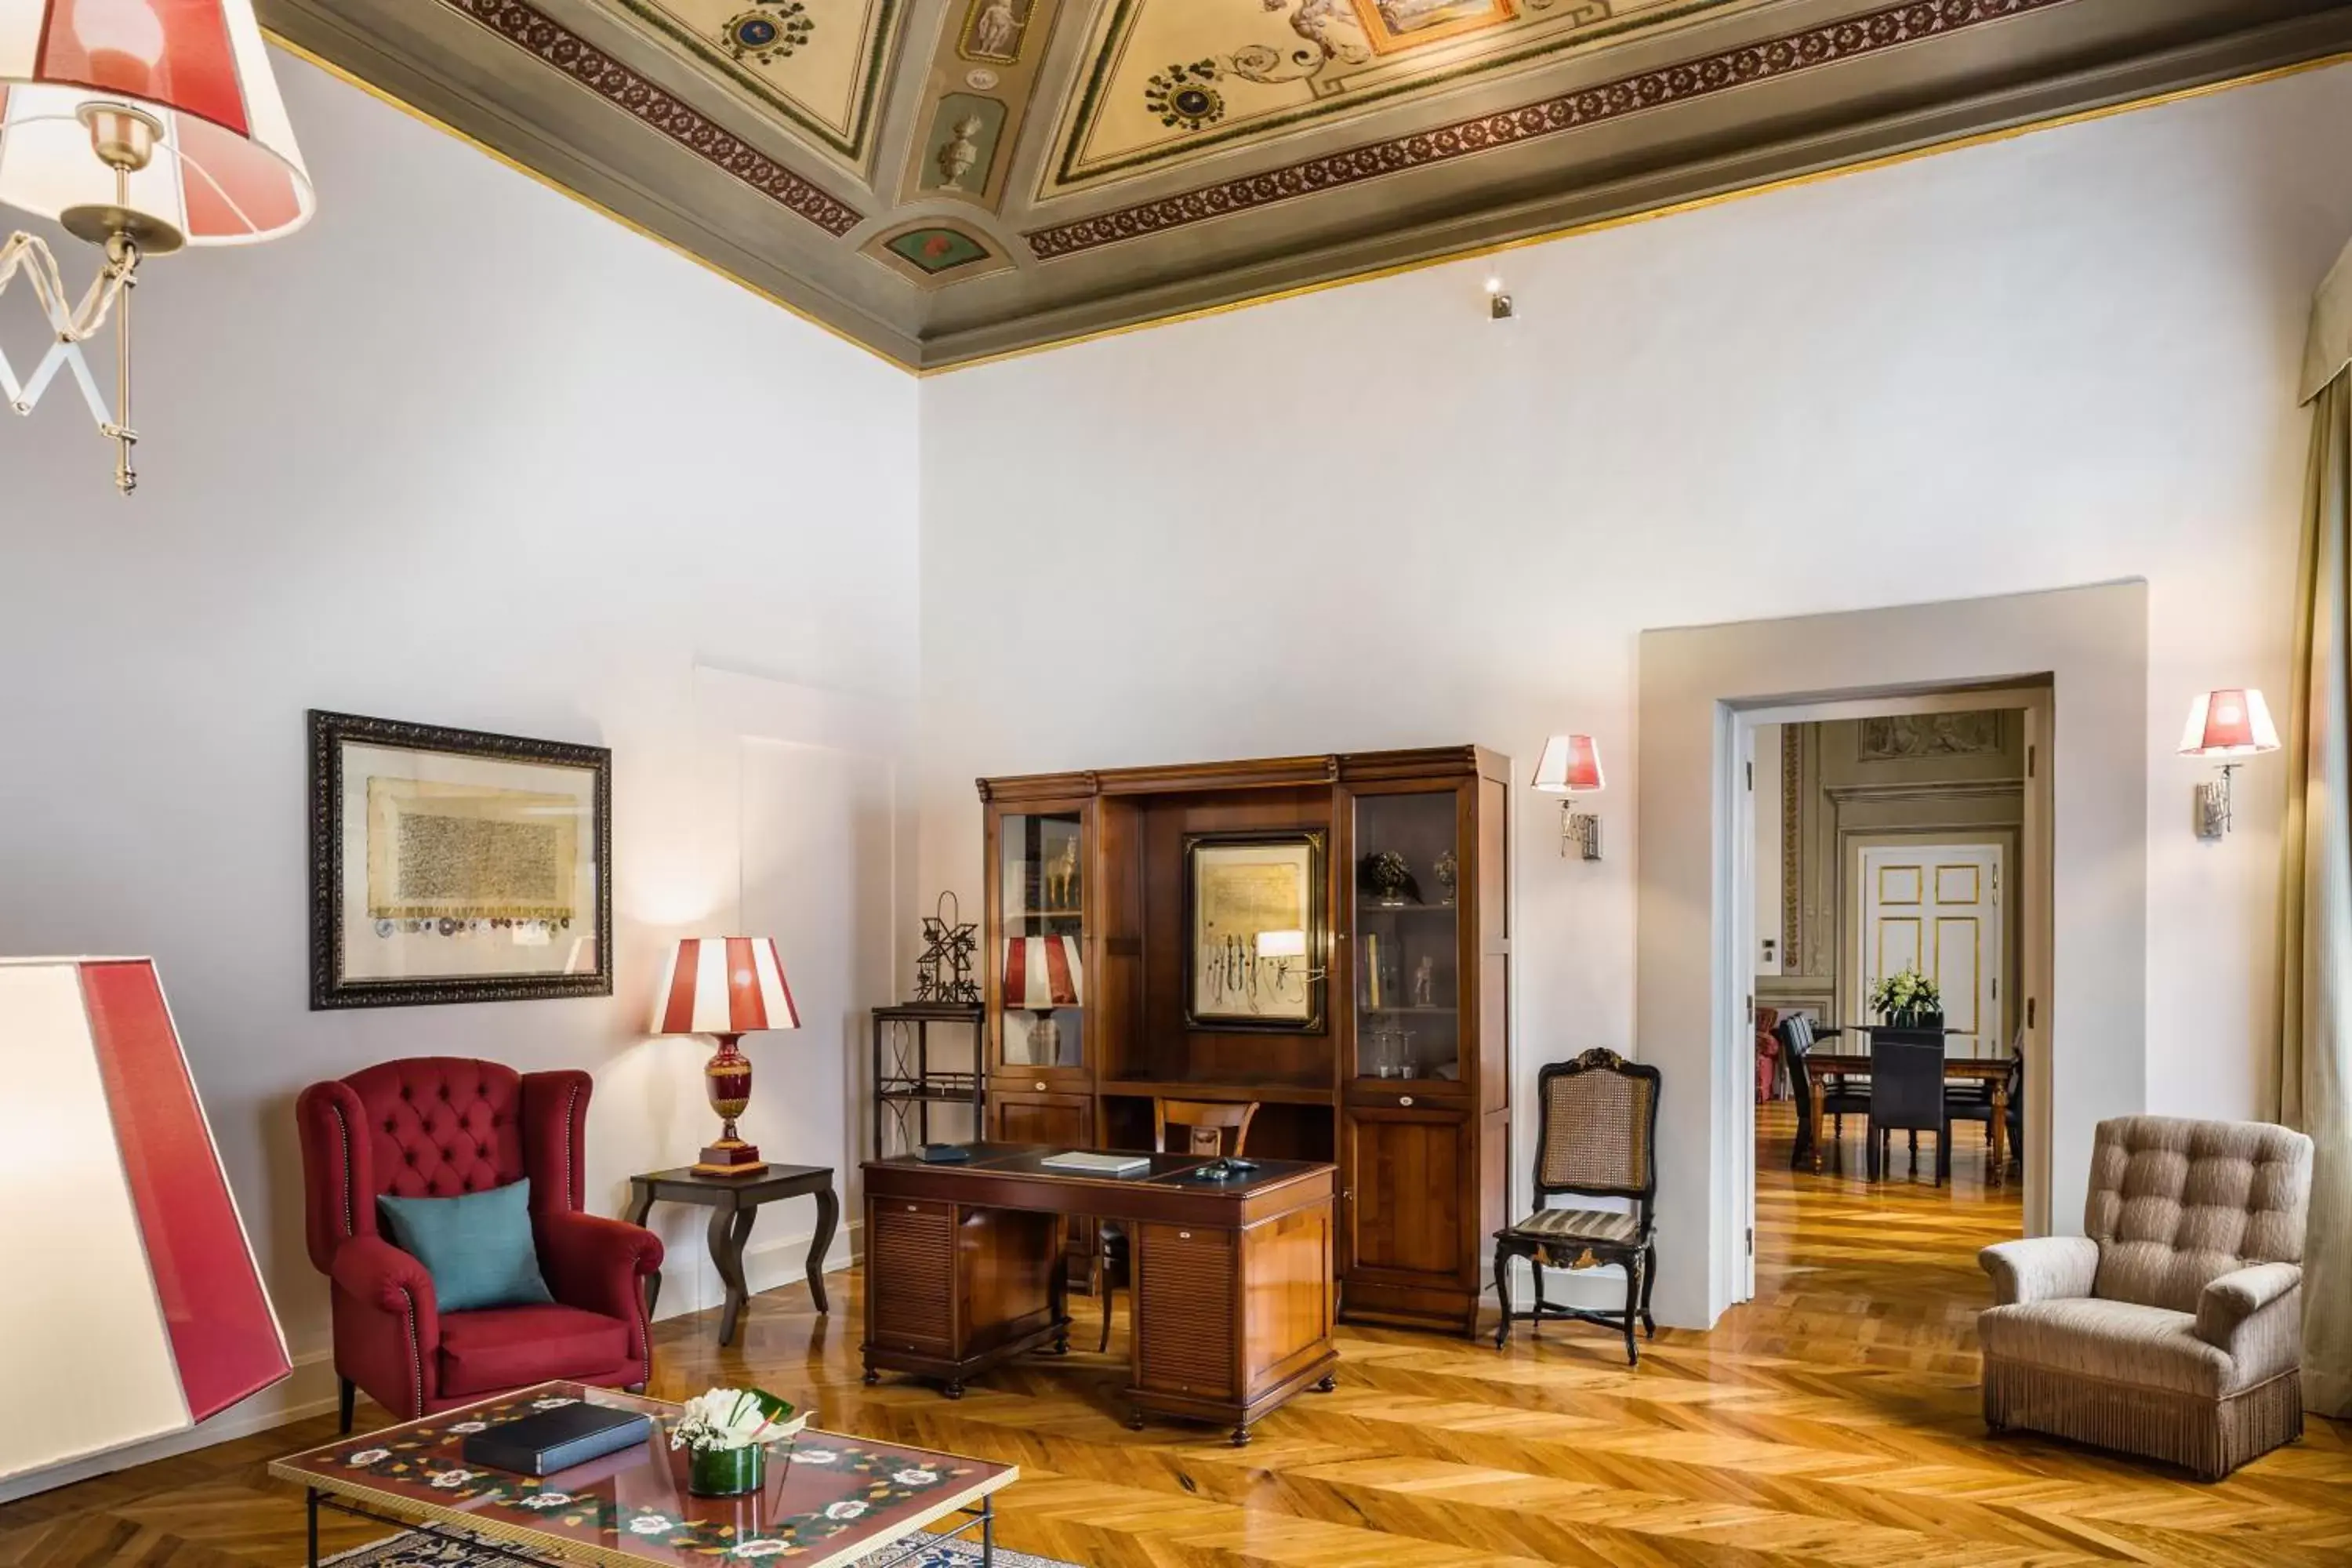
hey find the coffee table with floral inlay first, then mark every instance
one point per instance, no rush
(829, 1499)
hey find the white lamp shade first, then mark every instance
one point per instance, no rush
(131, 1306)
(1282, 945)
(1043, 972)
(227, 170)
(724, 986)
(2229, 722)
(1570, 764)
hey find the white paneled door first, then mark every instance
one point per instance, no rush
(1937, 908)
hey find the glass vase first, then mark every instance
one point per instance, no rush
(727, 1472)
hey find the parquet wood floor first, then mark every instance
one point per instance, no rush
(1832, 1420)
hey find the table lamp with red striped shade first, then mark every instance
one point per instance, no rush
(129, 1304)
(726, 987)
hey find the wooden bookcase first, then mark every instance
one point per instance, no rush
(1403, 1083)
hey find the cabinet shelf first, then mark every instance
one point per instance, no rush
(1224, 1089)
(1411, 1012)
(1374, 906)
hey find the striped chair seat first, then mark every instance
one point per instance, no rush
(1605, 1227)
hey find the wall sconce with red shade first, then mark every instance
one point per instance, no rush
(1571, 767)
(2229, 722)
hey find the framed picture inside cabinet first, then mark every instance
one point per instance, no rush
(455, 866)
(1255, 925)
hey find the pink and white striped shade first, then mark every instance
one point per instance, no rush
(226, 172)
(1570, 764)
(724, 986)
(2230, 722)
(129, 1303)
(1043, 972)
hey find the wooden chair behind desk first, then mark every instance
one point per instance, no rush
(1204, 1124)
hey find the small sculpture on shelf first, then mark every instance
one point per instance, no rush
(943, 973)
(1389, 878)
(1424, 983)
(1449, 872)
(1062, 879)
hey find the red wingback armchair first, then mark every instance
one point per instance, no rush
(439, 1127)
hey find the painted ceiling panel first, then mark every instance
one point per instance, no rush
(946, 181)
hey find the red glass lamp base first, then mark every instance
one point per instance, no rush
(727, 1077)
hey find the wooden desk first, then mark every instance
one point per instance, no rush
(1233, 1297)
(1820, 1065)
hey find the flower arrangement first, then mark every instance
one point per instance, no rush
(728, 1431)
(1906, 1000)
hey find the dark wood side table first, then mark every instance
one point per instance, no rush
(734, 1201)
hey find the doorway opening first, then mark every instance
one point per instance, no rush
(1895, 851)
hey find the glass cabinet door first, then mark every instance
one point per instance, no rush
(1040, 973)
(1408, 957)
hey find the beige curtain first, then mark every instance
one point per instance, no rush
(2315, 1067)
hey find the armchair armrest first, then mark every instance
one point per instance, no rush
(381, 1277)
(2041, 1269)
(2237, 1296)
(598, 1264)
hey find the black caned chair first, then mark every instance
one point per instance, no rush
(1596, 1137)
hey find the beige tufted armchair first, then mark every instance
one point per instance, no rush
(2174, 1328)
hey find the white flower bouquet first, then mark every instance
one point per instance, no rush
(728, 1431)
(1906, 999)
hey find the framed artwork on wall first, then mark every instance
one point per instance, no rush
(1254, 912)
(455, 866)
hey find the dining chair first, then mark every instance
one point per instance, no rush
(1839, 1096)
(1204, 1123)
(1972, 1100)
(1906, 1095)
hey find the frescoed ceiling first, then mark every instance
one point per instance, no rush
(944, 180)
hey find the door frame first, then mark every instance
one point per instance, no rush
(2031, 885)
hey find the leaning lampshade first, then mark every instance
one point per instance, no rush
(1570, 764)
(141, 126)
(1282, 945)
(131, 1307)
(1041, 973)
(2233, 721)
(727, 986)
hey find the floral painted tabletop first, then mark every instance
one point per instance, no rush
(829, 1498)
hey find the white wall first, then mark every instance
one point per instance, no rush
(1370, 517)
(461, 452)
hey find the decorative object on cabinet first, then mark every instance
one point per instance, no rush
(2233, 724)
(728, 988)
(1042, 974)
(1239, 889)
(1388, 877)
(734, 1204)
(907, 1081)
(437, 1127)
(943, 973)
(2173, 1326)
(1422, 1150)
(1449, 872)
(1204, 1124)
(1596, 1137)
(455, 866)
(1571, 767)
(139, 128)
(125, 1248)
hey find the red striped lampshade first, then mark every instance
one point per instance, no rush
(1042, 973)
(724, 986)
(1570, 764)
(226, 171)
(2231, 722)
(131, 1308)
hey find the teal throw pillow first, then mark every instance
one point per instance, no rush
(477, 1247)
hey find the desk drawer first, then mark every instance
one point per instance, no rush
(1185, 1287)
(911, 1274)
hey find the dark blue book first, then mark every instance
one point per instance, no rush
(547, 1441)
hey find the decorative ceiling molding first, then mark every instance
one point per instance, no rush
(538, 33)
(1413, 88)
(1892, 27)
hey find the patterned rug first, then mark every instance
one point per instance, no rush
(418, 1551)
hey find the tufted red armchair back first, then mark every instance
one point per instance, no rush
(436, 1127)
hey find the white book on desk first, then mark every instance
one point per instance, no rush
(1082, 1163)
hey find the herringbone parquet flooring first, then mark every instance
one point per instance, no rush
(1832, 1420)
